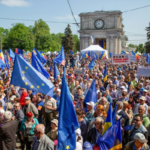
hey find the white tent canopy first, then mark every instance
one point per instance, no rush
(96, 49)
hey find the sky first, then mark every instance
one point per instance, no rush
(135, 22)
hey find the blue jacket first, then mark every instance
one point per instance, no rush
(23, 127)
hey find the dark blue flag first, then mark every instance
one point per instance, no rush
(51, 69)
(40, 57)
(91, 94)
(114, 114)
(56, 71)
(38, 66)
(25, 76)
(60, 58)
(11, 54)
(92, 64)
(68, 122)
(6, 61)
(71, 52)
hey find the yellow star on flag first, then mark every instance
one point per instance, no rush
(26, 83)
(42, 84)
(31, 86)
(26, 67)
(38, 87)
(23, 72)
(67, 147)
(23, 78)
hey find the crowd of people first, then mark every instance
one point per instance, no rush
(32, 118)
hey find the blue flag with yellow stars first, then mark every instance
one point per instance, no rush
(38, 66)
(40, 57)
(68, 122)
(25, 76)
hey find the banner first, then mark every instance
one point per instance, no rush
(143, 71)
(120, 59)
(133, 58)
(79, 72)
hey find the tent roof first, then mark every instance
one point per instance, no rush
(95, 48)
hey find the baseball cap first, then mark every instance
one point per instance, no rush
(91, 104)
(87, 146)
(55, 121)
(58, 90)
(124, 90)
(140, 137)
(143, 98)
(145, 90)
(14, 89)
(122, 87)
(27, 98)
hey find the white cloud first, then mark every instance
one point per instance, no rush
(13, 3)
(67, 17)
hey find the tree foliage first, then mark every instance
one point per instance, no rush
(38, 36)
(132, 45)
(19, 36)
(68, 40)
(139, 48)
(77, 43)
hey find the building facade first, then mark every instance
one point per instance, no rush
(105, 27)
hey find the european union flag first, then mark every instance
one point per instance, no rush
(92, 64)
(56, 71)
(108, 122)
(112, 139)
(71, 52)
(40, 57)
(68, 122)
(6, 61)
(91, 94)
(11, 54)
(60, 58)
(38, 66)
(25, 76)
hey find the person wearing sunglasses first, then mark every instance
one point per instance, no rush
(95, 133)
(138, 127)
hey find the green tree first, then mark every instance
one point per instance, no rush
(68, 40)
(132, 45)
(41, 32)
(19, 36)
(77, 43)
(140, 48)
(147, 44)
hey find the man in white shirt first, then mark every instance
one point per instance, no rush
(142, 102)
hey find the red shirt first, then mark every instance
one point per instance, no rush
(22, 99)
